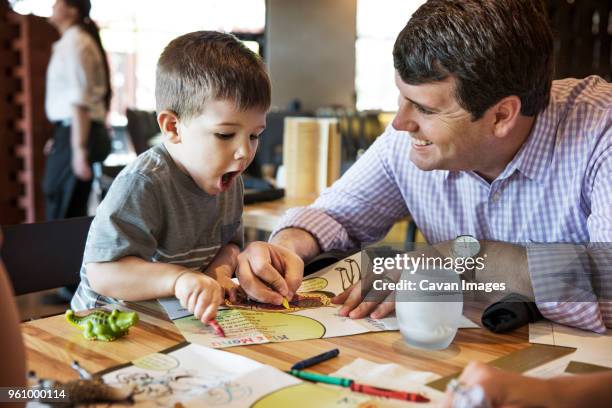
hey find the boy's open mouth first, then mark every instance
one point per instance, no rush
(227, 178)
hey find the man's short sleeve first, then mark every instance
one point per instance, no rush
(126, 223)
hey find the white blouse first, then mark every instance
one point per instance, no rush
(75, 76)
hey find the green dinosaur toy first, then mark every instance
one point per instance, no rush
(102, 325)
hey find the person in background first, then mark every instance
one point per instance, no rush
(77, 100)
(506, 389)
(12, 354)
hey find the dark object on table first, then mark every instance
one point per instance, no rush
(510, 313)
(325, 259)
(256, 196)
(257, 190)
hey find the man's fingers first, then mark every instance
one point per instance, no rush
(270, 277)
(255, 287)
(294, 271)
(362, 310)
(352, 301)
(341, 298)
(384, 308)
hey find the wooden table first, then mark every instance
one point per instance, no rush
(260, 219)
(52, 344)
(265, 216)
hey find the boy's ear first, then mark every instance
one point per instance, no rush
(168, 123)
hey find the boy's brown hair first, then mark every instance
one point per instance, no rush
(198, 67)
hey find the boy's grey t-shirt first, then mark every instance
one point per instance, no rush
(156, 212)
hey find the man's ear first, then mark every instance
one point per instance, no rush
(506, 111)
(168, 123)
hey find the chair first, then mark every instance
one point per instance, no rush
(103, 177)
(44, 255)
(141, 126)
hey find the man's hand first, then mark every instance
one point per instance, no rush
(268, 273)
(199, 294)
(356, 307)
(80, 164)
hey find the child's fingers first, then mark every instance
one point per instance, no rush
(191, 301)
(204, 299)
(210, 313)
(211, 310)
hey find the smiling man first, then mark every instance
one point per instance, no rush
(484, 145)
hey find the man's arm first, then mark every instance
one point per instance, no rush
(300, 241)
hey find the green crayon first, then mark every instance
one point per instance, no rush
(322, 378)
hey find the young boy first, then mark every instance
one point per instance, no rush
(171, 221)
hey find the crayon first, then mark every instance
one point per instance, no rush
(382, 392)
(362, 388)
(217, 327)
(322, 378)
(309, 362)
(285, 303)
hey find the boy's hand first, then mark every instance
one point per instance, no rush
(199, 294)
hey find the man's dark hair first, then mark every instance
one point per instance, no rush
(494, 49)
(199, 67)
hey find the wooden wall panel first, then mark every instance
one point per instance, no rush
(582, 31)
(25, 46)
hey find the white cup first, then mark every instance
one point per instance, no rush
(428, 319)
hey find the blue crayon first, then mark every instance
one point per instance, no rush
(300, 365)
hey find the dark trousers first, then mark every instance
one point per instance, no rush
(65, 195)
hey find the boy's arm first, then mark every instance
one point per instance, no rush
(131, 278)
(224, 263)
(153, 280)
(222, 270)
